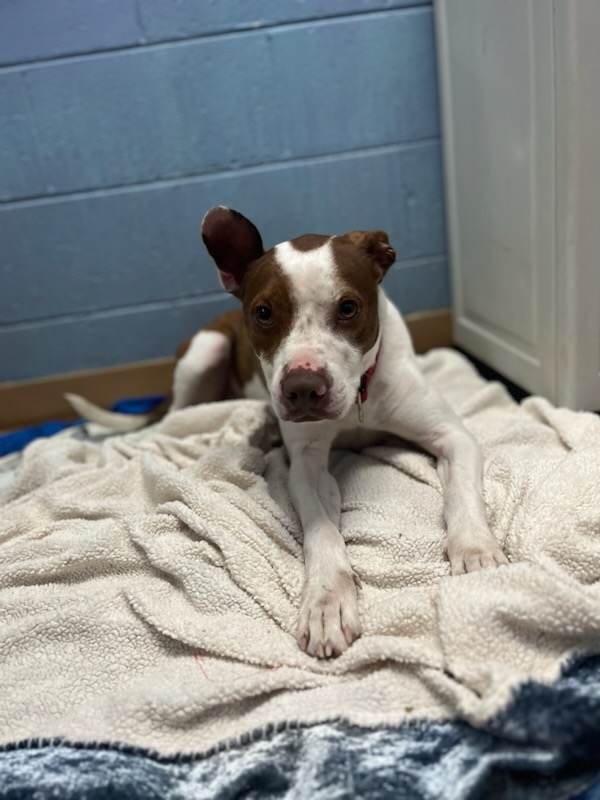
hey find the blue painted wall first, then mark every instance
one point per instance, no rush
(122, 121)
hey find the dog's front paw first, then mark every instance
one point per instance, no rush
(474, 552)
(329, 621)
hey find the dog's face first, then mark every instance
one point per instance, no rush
(310, 307)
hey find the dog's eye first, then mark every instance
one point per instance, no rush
(347, 309)
(263, 314)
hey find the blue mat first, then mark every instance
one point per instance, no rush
(545, 745)
(16, 440)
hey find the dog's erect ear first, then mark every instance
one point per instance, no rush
(377, 245)
(233, 241)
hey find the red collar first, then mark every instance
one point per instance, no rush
(366, 378)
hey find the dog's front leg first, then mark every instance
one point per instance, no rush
(420, 414)
(328, 621)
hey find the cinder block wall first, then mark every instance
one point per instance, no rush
(122, 121)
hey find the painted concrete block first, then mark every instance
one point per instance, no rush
(101, 340)
(151, 331)
(32, 30)
(141, 245)
(35, 29)
(218, 104)
(182, 18)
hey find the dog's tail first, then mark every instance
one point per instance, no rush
(113, 419)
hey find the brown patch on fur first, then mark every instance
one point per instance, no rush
(265, 284)
(310, 241)
(244, 362)
(360, 259)
(376, 245)
(233, 242)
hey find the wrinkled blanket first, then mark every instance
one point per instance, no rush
(150, 582)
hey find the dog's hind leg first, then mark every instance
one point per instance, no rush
(202, 374)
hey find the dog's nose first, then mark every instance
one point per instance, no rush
(305, 391)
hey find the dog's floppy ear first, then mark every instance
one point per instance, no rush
(233, 242)
(377, 245)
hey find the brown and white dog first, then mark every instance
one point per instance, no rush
(317, 336)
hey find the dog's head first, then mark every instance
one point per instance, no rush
(310, 307)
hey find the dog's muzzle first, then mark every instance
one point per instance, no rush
(305, 394)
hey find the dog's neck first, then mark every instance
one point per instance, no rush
(366, 377)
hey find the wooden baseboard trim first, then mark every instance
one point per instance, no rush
(30, 402)
(430, 329)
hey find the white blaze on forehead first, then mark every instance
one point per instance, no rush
(314, 285)
(311, 273)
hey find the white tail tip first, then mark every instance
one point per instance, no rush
(109, 419)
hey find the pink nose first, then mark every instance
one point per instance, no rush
(305, 391)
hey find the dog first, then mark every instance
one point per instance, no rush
(317, 336)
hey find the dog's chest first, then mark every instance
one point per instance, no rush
(357, 438)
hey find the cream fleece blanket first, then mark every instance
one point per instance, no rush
(150, 583)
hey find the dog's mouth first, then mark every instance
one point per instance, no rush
(321, 416)
(308, 418)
